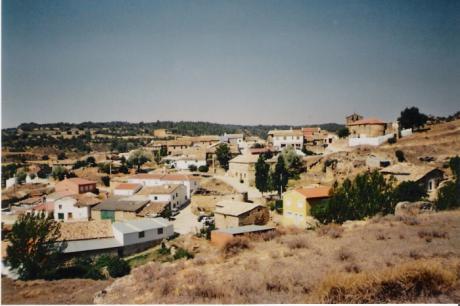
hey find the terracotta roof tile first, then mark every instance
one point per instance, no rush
(314, 192)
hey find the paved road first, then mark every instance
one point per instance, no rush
(253, 193)
(186, 222)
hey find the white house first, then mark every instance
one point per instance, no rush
(237, 139)
(142, 230)
(175, 194)
(159, 179)
(280, 139)
(183, 162)
(74, 208)
(126, 189)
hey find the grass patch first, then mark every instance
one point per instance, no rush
(400, 283)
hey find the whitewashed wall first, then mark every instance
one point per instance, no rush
(369, 141)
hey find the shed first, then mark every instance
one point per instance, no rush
(222, 236)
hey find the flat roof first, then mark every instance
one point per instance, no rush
(139, 225)
(245, 229)
(91, 244)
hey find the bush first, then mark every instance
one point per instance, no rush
(409, 191)
(182, 253)
(106, 181)
(118, 267)
(204, 168)
(235, 245)
(192, 168)
(400, 156)
(343, 132)
(392, 140)
(448, 196)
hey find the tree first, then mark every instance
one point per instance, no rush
(91, 161)
(45, 157)
(61, 156)
(203, 168)
(79, 164)
(262, 174)
(280, 176)
(21, 177)
(117, 267)
(454, 164)
(223, 155)
(140, 157)
(59, 173)
(400, 156)
(44, 172)
(292, 162)
(192, 168)
(163, 151)
(34, 248)
(409, 191)
(368, 194)
(343, 132)
(412, 118)
(449, 194)
(106, 181)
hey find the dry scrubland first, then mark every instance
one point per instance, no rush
(387, 259)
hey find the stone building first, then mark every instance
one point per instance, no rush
(230, 213)
(369, 127)
(243, 168)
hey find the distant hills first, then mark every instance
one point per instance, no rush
(181, 127)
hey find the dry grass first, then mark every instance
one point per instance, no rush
(295, 242)
(331, 230)
(401, 283)
(236, 245)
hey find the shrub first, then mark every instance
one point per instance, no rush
(343, 132)
(332, 230)
(344, 254)
(400, 283)
(295, 242)
(182, 253)
(409, 191)
(118, 267)
(192, 168)
(392, 140)
(400, 156)
(204, 168)
(235, 245)
(106, 180)
(449, 196)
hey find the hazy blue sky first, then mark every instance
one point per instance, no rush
(251, 62)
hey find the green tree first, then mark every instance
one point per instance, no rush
(91, 161)
(412, 118)
(343, 132)
(223, 155)
(262, 174)
(203, 168)
(280, 176)
(454, 164)
(34, 250)
(163, 151)
(79, 164)
(61, 156)
(21, 177)
(59, 173)
(400, 156)
(409, 191)
(192, 168)
(140, 157)
(368, 194)
(44, 172)
(449, 194)
(292, 162)
(106, 181)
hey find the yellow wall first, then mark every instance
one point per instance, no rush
(295, 209)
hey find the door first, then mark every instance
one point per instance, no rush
(69, 216)
(108, 215)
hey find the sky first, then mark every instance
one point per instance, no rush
(243, 62)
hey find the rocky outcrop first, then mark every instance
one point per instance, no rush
(413, 208)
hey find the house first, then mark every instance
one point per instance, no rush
(119, 208)
(231, 213)
(427, 176)
(221, 236)
(183, 162)
(76, 185)
(235, 139)
(353, 118)
(297, 204)
(315, 136)
(369, 127)
(75, 207)
(94, 238)
(174, 194)
(279, 139)
(159, 179)
(126, 189)
(243, 168)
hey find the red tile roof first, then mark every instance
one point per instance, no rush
(367, 121)
(314, 192)
(128, 186)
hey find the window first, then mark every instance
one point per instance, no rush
(60, 216)
(160, 231)
(141, 234)
(60, 206)
(155, 197)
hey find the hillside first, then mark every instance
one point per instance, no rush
(386, 259)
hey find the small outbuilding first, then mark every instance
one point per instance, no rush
(231, 213)
(222, 236)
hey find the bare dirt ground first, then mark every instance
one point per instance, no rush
(385, 259)
(71, 291)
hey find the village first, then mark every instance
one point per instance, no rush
(218, 188)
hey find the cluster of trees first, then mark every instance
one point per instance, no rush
(411, 118)
(35, 252)
(449, 194)
(289, 165)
